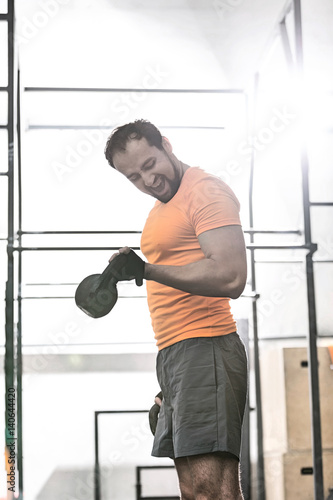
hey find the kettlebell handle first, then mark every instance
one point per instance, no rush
(110, 272)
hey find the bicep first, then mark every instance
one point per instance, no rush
(226, 247)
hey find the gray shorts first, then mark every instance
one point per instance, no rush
(204, 385)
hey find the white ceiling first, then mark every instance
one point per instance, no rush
(199, 43)
(215, 43)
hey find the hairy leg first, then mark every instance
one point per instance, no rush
(213, 476)
(184, 478)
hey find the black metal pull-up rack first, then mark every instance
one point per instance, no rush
(10, 362)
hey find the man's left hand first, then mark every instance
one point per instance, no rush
(134, 267)
(154, 412)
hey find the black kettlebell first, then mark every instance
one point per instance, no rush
(97, 294)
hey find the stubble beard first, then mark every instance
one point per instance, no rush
(174, 184)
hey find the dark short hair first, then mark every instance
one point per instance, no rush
(134, 130)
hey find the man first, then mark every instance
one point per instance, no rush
(196, 261)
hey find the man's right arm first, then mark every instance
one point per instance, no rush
(221, 273)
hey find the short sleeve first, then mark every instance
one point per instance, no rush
(211, 204)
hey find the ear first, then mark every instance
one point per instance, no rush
(166, 145)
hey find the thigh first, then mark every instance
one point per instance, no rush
(215, 476)
(184, 478)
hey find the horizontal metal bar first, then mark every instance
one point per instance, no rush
(4, 173)
(33, 249)
(58, 284)
(89, 344)
(287, 261)
(4, 17)
(110, 127)
(144, 467)
(311, 247)
(50, 284)
(70, 127)
(271, 231)
(293, 337)
(29, 346)
(296, 261)
(78, 232)
(250, 231)
(72, 297)
(41, 297)
(3, 127)
(156, 91)
(160, 498)
(321, 203)
(4, 89)
(252, 295)
(98, 412)
(252, 246)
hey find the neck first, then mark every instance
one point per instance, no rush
(182, 168)
(178, 166)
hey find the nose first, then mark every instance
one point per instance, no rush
(148, 178)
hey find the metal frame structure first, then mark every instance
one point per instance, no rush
(295, 66)
(139, 485)
(13, 353)
(10, 365)
(97, 482)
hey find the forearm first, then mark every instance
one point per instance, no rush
(204, 277)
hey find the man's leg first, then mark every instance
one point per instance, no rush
(213, 476)
(184, 478)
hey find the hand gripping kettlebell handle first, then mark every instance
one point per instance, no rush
(111, 273)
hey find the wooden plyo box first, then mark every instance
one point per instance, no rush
(285, 400)
(288, 476)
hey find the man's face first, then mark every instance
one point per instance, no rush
(150, 169)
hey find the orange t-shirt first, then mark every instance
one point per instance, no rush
(170, 237)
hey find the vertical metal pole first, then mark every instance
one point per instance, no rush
(96, 468)
(261, 492)
(286, 46)
(245, 450)
(312, 334)
(19, 301)
(9, 352)
(138, 483)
